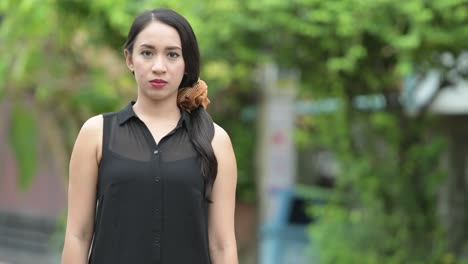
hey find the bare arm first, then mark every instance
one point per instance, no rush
(223, 248)
(82, 192)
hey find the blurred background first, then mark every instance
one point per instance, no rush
(349, 119)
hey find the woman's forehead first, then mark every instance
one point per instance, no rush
(158, 34)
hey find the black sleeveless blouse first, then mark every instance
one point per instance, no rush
(151, 207)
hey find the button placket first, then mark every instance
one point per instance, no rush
(157, 231)
(156, 152)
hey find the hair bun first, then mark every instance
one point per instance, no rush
(190, 98)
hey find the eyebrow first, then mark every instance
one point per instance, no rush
(149, 46)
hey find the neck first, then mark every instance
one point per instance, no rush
(161, 110)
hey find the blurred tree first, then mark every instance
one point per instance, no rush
(389, 162)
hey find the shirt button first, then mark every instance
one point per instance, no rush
(156, 152)
(158, 179)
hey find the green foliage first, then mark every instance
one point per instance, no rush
(384, 207)
(390, 171)
(389, 164)
(23, 137)
(2, 74)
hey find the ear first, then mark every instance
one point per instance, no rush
(128, 59)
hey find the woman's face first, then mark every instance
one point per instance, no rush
(157, 62)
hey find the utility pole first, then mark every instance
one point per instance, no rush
(276, 153)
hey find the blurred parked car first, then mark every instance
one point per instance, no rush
(284, 238)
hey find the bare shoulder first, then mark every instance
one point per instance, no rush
(90, 136)
(93, 124)
(92, 129)
(221, 138)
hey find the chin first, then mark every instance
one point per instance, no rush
(159, 95)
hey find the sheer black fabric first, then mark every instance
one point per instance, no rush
(151, 207)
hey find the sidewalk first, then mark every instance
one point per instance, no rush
(27, 239)
(21, 257)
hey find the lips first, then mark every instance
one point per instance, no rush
(158, 83)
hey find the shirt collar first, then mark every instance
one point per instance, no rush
(127, 113)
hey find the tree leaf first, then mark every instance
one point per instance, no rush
(3, 78)
(23, 139)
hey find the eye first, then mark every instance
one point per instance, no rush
(173, 55)
(146, 53)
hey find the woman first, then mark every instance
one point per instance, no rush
(162, 173)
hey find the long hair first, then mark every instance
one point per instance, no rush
(202, 131)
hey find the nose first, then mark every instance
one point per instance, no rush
(159, 65)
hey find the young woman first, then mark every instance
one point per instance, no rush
(154, 182)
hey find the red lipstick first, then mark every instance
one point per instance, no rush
(158, 83)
